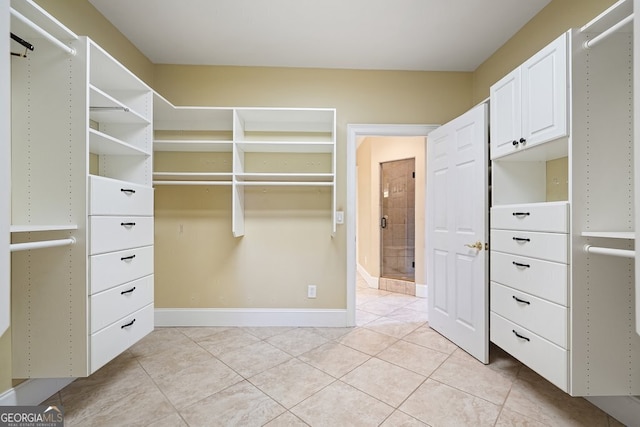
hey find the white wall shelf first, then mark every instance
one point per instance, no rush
(193, 145)
(101, 143)
(624, 235)
(41, 228)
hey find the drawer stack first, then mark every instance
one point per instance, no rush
(121, 266)
(529, 276)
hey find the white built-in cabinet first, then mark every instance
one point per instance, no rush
(562, 216)
(245, 147)
(529, 105)
(82, 202)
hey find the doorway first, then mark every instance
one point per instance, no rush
(397, 223)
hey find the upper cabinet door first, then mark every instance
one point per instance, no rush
(506, 114)
(529, 105)
(544, 94)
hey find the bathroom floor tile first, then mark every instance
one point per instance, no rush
(334, 358)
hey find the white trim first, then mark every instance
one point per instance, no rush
(33, 391)
(250, 317)
(354, 131)
(421, 290)
(625, 409)
(372, 282)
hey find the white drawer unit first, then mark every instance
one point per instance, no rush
(114, 268)
(120, 335)
(119, 233)
(114, 197)
(543, 279)
(545, 318)
(547, 246)
(110, 305)
(541, 355)
(548, 217)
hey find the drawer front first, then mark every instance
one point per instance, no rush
(119, 336)
(112, 197)
(540, 316)
(549, 217)
(543, 279)
(115, 268)
(544, 357)
(547, 246)
(112, 233)
(115, 303)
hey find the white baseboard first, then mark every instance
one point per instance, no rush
(421, 290)
(625, 409)
(373, 282)
(250, 317)
(33, 391)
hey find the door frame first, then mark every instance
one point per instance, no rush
(354, 131)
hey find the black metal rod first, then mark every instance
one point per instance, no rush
(23, 42)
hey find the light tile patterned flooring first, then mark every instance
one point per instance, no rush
(391, 370)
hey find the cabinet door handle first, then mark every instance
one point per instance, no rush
(128, 324)
(521, 239)
(134, 288)
(127, 224)
(521, 213)
(522, 140)
(126, 258)
(522, 337)
(517, 264)
(513, 296)
(128, 190)
(514, 143)
(383, 222)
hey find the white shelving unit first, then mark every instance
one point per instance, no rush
(584, 290)
(244, 147)
(73, 166)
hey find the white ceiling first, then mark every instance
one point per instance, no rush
(436, 35)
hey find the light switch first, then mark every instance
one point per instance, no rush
(339, 217)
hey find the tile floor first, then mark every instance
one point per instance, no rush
(391, 370)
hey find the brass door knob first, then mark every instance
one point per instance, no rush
(477, 245)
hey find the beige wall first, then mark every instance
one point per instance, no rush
(371, 152)
(359, 96)
(556, 18)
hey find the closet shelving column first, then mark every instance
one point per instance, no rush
(5, 172)
(282, 147)
(120, 217)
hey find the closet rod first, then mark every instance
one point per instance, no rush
(46, 35)
(14, 247)
(624, 253)
(603, 35)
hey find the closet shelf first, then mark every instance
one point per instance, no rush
(246, 178)
(285, 183)
(192, 145)
(105, 108)
(192, 176)
(17, 228)
(285, 146)
(101, 143)
(190, 182)
(628, 235)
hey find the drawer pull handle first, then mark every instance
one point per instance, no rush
(517, 264)
(126, 258)
(128, 190)
(521, 239)
(522, 337)
(127, 224)
(521, 213)
(134, 288)
(132, 322)
(514, 297)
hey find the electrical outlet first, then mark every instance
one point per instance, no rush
(311, 291)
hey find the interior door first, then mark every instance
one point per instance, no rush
(457, 230)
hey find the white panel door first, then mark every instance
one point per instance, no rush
(506, 114)
(457, 229)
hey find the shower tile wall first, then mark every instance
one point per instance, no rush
(398, 208)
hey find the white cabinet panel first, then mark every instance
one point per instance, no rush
(506, 114)
(544, 357)
(113, 304)
(118, 233)
(549, 217)
(114, 268)
(114, 197)
(547, 246)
